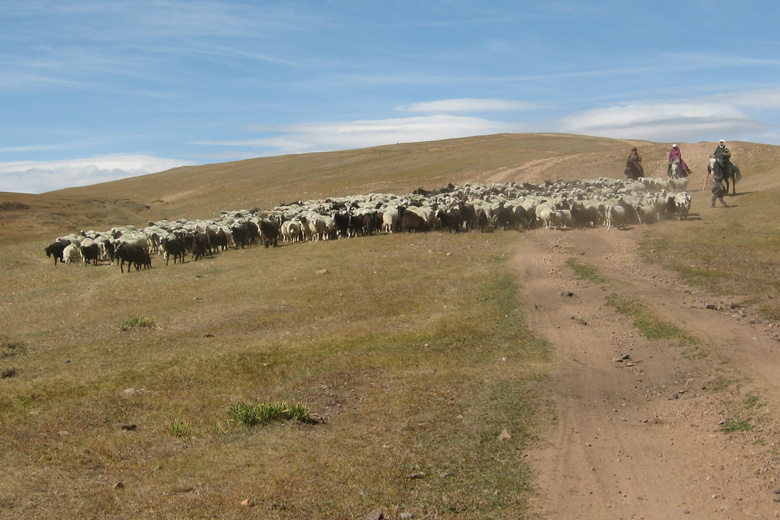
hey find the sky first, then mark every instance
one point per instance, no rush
(94, 90)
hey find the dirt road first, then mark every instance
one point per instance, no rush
(642, 436)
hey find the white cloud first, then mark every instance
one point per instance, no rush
(361, 134)
(755, 99)
(670, 121)
(39, 177)
(462, 105)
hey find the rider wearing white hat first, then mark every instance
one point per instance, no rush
(675, 154)
(722, 154)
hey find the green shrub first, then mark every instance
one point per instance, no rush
(265, 413)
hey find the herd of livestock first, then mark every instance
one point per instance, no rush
(470, 207)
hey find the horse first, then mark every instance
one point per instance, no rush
(732, 174)
(675, 169)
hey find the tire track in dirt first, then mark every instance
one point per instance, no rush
(640, 438)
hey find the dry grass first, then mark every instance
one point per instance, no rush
(732, 252)
(411, 346)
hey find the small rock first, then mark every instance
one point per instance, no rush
(376, 514)
(322, 271)
(247, 502)
(674, 396)
(407, 516)
(622, 358)
(313, 418)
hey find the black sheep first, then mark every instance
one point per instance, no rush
(56, 248)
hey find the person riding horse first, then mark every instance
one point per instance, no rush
(723, 155)
(634, 168)
(676, 155)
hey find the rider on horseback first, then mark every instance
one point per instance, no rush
(723, 155)
(634, 168)
(676, 154)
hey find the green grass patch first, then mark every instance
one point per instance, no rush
(180, 428)
(753, 402)
(262, 414)
(138, 322)
(585, 271)
(721, 383)
(649, 324)
(736, 424)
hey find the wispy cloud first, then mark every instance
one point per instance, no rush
(467, 105)
(325, 136)
(37, 177)
(755, 99)
(691, 119)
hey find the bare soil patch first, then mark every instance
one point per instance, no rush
(642, 436)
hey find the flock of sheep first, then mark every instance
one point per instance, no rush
(470, 207)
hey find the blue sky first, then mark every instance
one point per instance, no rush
(92, 91)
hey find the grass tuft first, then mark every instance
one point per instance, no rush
(180, 428)
(138, 322)
(262, 414)
(584, 271)
(648, 324)
(736, 424)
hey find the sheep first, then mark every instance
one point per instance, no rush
(173, 246)
(412, 221)
(390, 219)
(646, 213)
(55, 249)
(291, 230)
(90, 253)
(269, 232)
(134, 255)
(547, 215)
(678, 184)
(71, 254)
(318, 227)
(582, 203)
(680, 204)
(616, 214)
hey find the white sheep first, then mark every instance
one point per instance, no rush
(71, 254)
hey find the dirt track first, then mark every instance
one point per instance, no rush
(640, 438)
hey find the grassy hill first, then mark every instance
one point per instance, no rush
(119, 393)
(204, 191)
